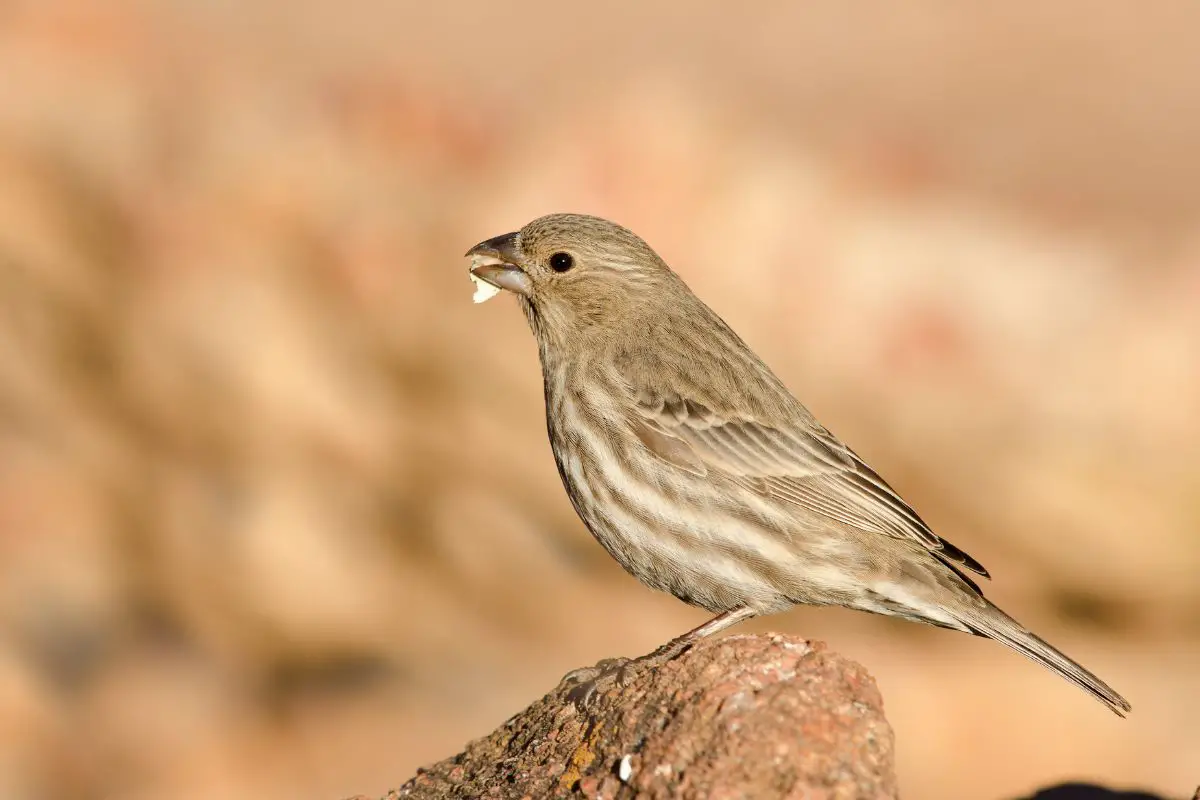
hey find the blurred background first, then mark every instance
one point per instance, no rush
(278, 517)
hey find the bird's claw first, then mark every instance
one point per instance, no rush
(584, 674)
(587, 682)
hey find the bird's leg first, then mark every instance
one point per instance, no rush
(618, 672)
(680, 644)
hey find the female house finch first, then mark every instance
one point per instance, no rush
(699, 472)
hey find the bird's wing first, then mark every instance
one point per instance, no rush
(800, 463)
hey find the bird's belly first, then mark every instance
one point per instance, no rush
(731, 564)
(686, 546)
(691, 571)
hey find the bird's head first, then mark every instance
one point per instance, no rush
(574, 273)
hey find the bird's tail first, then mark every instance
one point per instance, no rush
(993, 623)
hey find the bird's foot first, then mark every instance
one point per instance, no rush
(587, 683)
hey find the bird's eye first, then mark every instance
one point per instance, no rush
(561, 262)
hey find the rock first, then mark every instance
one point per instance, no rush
(743, 716)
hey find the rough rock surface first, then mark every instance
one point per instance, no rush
(742, 716)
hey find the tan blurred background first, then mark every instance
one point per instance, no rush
(277, 514)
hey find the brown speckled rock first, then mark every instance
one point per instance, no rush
(743, 716)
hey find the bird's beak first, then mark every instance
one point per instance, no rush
(495, 261)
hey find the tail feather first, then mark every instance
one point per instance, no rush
(995, 624)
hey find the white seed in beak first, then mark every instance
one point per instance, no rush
(484, 291)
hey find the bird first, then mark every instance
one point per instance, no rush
(700, 473)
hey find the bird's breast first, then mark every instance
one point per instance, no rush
(673, 530)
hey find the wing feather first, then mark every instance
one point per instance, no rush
(800, 463)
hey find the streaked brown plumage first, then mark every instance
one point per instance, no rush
(697, 469)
